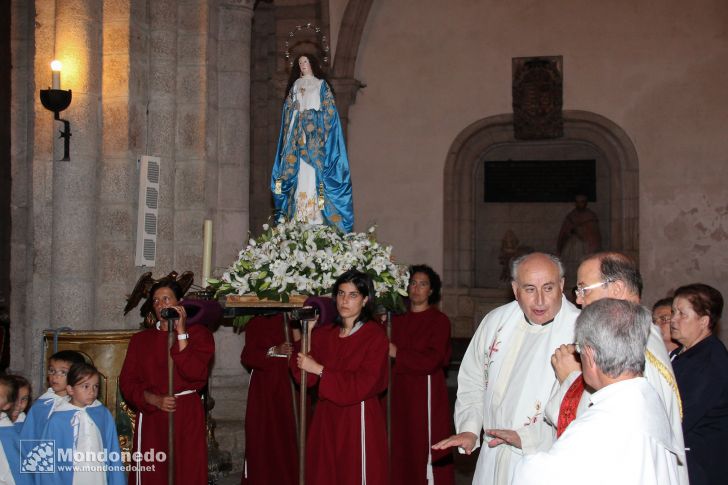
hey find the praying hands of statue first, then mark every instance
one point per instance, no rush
(565, 360)
(465, 440)
(503, 436)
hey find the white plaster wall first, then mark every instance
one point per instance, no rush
(656, 68)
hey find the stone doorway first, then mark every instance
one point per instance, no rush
(473, 229)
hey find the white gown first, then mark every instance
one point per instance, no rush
(505, 380)
(623, 438)
(306, 92)
(658, 372)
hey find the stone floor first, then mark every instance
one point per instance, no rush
(464, 465)
(464, 468)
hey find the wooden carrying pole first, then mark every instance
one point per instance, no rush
(305, 344)
(287, 335)
(170, 392)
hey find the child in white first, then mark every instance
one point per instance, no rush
(82, 424)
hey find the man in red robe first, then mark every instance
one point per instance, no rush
(271, 446)
(144, 385)
(420, 407)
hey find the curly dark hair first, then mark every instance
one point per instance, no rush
(435, 282)
(148, 306)
(318, 72)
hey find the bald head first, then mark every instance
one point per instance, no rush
(538, 283)
(608, 275)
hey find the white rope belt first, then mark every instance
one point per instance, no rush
(139, 438)
(363, 447)
(430, 473)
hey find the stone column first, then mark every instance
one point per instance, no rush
(124, 86)
(161, 120)
(30, 173)
(195, 59)
(77, 46)
(233, 138)
(229, 379)
(346, 90)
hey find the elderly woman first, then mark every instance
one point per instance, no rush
(347, 444)
(701, 370)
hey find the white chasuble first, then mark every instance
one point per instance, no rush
(505, 380)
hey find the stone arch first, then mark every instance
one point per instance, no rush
(579, 126)
(347, 46)
(347, 49)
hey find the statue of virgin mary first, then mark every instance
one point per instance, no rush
(310, 180)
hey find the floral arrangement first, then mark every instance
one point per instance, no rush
(305, 259)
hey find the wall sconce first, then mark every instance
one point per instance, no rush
(56, 100)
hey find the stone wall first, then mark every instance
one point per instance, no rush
(163, 78)
(654, 74)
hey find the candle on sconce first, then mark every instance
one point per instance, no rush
(206, 251)
(56, 73)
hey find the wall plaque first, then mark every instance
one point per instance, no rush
(538, 97)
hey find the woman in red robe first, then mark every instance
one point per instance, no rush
(347, 443)
(420, 408)
(144, 385)
(271, 445)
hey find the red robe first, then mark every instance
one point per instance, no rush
(271, 445)
(355, 372)
(423, 349)
(145, 369)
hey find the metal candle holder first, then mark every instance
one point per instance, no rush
(57, 100)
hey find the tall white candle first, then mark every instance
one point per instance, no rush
(56, 74)
(206, 251)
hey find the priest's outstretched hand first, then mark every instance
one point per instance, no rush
(503, 436)
(465, 440)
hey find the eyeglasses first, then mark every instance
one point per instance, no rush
(53, 372)
(662, 319)
(582, 290)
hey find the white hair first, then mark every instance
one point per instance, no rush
(515, 263)
(617, 331)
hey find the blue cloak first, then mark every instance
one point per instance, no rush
(60, 429)
(38, 415)
(324, 149)
(10, 442)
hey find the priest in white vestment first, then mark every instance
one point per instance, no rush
(506, 377)
(624, 437)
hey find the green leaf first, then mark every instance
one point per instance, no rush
(241, 321)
